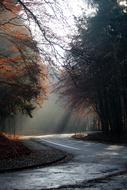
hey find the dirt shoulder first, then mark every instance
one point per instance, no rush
(17, 155)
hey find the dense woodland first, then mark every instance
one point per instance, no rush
(93, 76)
(95, 71)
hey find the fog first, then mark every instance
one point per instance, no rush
(52, 118)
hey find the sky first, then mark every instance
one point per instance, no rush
(58, 21)
(71, 9)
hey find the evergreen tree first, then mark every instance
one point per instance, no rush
(95, 69)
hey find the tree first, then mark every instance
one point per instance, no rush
(95, 69)
(22, 73)
(46, 17)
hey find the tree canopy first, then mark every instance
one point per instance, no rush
(22, 73)
(94, 73)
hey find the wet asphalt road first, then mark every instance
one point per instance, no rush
(90, 160)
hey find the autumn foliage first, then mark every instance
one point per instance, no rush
(23, 77)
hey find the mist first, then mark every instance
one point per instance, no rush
(52, 118)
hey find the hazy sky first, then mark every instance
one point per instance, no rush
(58, 20)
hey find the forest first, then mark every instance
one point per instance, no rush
(92, 76)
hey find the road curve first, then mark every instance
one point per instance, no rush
(90, 161)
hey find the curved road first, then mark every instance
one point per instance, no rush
(90, 161)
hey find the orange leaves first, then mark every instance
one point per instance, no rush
(23, 79)
(18, 32)
(17, 8)
(8, 68)
(10, 60)
(10, 5)
(9, 72)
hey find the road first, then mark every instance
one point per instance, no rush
(90, 161)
